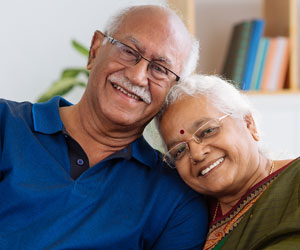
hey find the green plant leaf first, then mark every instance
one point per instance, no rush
(68, 78)
(70, 73)
(80, 48)
(60, 87)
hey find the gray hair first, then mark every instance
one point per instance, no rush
(222, 94)
(189, 66)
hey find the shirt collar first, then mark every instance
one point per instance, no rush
(46, 118)
(140, 150)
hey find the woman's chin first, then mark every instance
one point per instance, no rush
(216, 190)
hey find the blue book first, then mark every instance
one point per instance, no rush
(257, 32)
(262, 63)
(259, 63)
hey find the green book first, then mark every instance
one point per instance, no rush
(259, 63)
(237, 52)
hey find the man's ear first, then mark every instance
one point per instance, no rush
(251, 126)
(95, 46)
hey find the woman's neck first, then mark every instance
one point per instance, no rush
(229, 200)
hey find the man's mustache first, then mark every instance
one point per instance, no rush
(142, 92)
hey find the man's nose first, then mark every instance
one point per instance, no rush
(138, 73)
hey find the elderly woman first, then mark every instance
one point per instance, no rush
(212, 140)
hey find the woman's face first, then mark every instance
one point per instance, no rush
(223, 162)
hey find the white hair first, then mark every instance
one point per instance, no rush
(189, 66)
(222, 94)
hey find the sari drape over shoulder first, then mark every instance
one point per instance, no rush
(267, 218)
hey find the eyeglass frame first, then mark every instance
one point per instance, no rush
(112, 40)
(193, 137)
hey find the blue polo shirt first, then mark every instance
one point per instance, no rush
(120, 203)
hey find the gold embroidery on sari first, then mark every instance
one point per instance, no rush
(223, 227)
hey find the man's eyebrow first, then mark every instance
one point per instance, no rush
(163, 59)
(142, 50)
(137, 44)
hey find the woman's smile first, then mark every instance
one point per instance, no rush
(212, 166)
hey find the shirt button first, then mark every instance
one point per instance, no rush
(80, 162)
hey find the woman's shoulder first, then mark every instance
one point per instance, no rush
(290, 165)
(279, 164)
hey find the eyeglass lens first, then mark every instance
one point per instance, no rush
(128, 56)
(207, 130)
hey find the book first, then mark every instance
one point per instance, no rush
(237, 51)
(256, 33)
(263, 64)
(268, 64)
(259, 63)
(280, 64)
(276, 65)
(283, 19)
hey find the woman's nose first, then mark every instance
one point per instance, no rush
(198, 151)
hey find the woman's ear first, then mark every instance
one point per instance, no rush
(251, 126)
(95, 47)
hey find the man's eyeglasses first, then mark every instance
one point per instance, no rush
(207, 130)
(129, 57)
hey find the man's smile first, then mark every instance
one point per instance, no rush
(125, 92)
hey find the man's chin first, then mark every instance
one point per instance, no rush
(128, 120)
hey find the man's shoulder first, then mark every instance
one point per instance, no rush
(13, 104)
(159, 173)
(165, 172)
(169, 179)
(14, 109)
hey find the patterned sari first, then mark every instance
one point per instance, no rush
(265, 197)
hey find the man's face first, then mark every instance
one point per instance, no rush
(124, 94)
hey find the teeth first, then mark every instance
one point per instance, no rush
(125, 92)
(212, 166)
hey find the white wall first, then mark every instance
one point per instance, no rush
(214, 21)
(35, 40)
(35, 44)
(280, 123)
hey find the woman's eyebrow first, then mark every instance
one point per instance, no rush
(196, 124)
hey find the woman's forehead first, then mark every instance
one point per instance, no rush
(187, 114)
(192, 107)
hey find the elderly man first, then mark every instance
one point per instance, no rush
(82, 176)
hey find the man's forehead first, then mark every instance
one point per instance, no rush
(157, 33)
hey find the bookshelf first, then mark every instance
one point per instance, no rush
(211, 21)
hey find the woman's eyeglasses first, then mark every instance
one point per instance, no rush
(207, 130)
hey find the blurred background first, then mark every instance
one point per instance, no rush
(36, 46)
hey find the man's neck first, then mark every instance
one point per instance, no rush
(98, 139)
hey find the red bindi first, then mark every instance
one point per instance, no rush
(182, 131)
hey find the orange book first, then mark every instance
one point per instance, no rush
(266, 77)
(283, 19)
